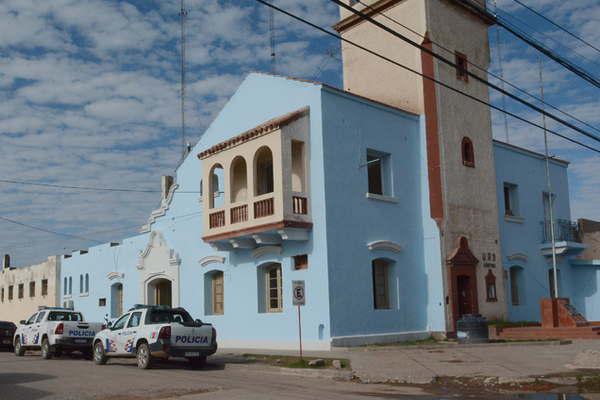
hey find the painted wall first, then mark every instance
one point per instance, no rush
(522, 235)
(351, 126)
(18, 309)
(105, 266)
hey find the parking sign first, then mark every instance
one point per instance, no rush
(298, 294)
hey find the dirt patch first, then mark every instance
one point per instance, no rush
(296, 362)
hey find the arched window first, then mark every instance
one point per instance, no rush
(263, 171)
(516, 285)
(381, 270)
(87, 283)
(490, 287)
(215, 186)
(214, 294)
(239, 180)
(468, 153)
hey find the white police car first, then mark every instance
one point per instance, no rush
(150, 332)
(55, 330)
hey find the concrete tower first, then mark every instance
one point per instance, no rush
(459, 135)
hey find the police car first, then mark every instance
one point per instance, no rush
(55, 330)
(151, 332)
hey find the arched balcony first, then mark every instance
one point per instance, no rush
(261, 178)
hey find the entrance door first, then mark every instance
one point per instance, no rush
(465, 295)
(160, 292)
(116, 300)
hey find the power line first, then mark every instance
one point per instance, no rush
(532, 42)
(89, 188)
(365, 17)
(485, 70)
(556, 25)
(339, 37)
(12, 221)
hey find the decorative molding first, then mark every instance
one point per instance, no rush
(161, 211)
(384, 245)
(204, 261)
(517, 257)
(174, 259)
(462, 255)
(293, 234)
(381, 197)
(261, 251)
(115, 275)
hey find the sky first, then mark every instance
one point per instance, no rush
(89, 96)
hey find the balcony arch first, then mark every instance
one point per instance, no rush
(215, 186)
(263, 171)
(239, 180)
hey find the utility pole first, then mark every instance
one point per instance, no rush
(182, 16)
(272, 39)
(548, 183)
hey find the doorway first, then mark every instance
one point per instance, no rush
(465, 295)
(160, 292)
(116, 300)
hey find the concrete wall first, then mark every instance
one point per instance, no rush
(522, 235)
(18, 309)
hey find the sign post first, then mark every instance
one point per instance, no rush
(299, 299)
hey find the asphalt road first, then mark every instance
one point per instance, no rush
(224, 377)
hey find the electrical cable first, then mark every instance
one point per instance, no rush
(339, 37)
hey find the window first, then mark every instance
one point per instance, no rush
(10, 292)
(102, 302)
(511, 200)
(135, 319)
(31, 319)
(515, 285)
(87, 283)
(80, 284)
(381, 290)
(301, 262)
(263, 171)
(273, 295)
(468, 154)
(66, 286)
(44, 287)
(490, 287)
(378, 171)
(21, 290)
(217, 291)
(461, 66)
(120, 323)
(31, 289)
(40, 317)
(65, 316)
(2, 295)
(70, 285)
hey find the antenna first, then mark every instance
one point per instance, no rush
(182, 16)
(272, 38)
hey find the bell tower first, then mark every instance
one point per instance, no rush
(462, 178)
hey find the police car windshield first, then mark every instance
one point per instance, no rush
(64, 316)
(168, 316)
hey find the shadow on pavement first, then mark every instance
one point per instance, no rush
(11, 389)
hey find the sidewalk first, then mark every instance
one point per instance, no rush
(422, 365)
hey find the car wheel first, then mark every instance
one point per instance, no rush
(144, 359)
(197, 362)
(45, 350)
(19, 350)
(99, 354)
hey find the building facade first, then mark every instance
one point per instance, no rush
(24, 289)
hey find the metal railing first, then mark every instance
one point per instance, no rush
(564, 231)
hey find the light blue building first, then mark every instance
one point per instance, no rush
(304, 182)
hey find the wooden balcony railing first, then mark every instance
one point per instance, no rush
(263, 208)
(216, 219)
(299, 205)
(239, 214)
